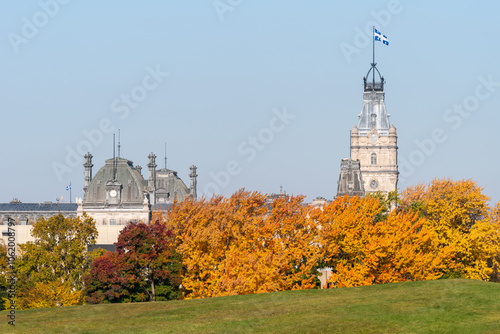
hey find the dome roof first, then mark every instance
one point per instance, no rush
(169, 186)
(132, 184)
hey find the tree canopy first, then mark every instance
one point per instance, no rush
(144, 267)
(243, 244)
(459, 213)
(51, 269)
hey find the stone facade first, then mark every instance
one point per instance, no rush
(350, 180)
(377, 155)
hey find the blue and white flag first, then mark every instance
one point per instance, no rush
(379, 37)
(68, 187)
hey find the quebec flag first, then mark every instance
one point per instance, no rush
(68, 187)
(379, 37)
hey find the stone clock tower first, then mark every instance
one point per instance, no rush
(374, 139)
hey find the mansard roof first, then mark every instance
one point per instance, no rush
(132, 183)
(373, 112)
(170, 186)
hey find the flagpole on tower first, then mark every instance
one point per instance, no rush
(70, 192)
(373, 43)
(373, 63)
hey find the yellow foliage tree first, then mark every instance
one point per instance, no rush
(363, 251)
(458, 212)
(51, 294)
(243, 244)
(495, 263)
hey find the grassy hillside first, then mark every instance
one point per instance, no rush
(444, 306)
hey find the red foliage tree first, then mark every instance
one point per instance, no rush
(144, 267)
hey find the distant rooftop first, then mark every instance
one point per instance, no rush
(16, 205)
(109, 248)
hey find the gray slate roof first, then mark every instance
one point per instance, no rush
(132, 183)
(13, 207)
(374, 104)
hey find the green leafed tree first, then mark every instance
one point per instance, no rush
(58, 255)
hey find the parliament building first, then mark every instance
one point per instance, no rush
(117, 195)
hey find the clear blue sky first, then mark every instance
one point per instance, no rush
(70, 68)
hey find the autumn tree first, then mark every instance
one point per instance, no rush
(459, 213)
(243, 244)
(111, 281)
(49, 294)
(4, 274)
(495, 262)
(144, 267)
(387, 202)
(55, 263)
(361, 249)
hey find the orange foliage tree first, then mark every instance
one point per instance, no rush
(361, 250)
(244, 244)
(458, 212)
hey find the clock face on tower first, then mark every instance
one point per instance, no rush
(112, 193)
(374, 184)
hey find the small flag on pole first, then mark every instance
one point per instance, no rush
(379, 37)
(68, 187)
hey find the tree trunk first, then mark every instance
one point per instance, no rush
(153, 294)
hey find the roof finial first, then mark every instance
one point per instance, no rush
(165, 155)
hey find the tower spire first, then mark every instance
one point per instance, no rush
(165, 155)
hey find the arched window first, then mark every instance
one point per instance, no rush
(374, 158)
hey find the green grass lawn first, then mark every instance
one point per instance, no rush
(443, 306)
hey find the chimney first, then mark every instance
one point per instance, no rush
(88, 171)
(192, 187)
(152, 178)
